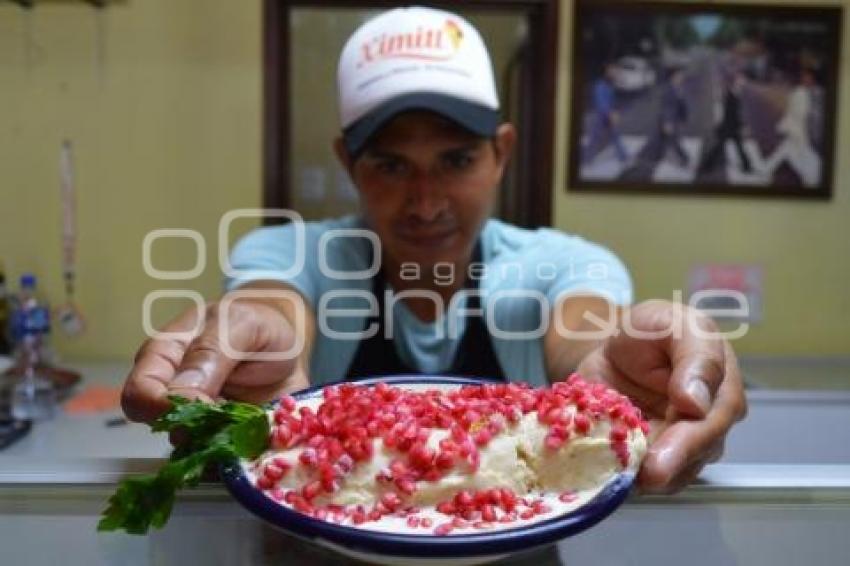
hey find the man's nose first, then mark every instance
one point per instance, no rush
(425, 197)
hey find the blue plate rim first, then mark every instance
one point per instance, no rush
(500, 541)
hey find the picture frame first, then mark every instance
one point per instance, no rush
(704, 98)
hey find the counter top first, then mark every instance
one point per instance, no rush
(780, 496)
(84, 449)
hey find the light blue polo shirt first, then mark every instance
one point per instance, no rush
(521, 276)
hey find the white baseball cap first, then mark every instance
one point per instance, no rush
(415, 59)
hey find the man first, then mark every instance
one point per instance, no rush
(730, 127)
(672, 118)
(796, 148)
(424, 145)
(605, 118)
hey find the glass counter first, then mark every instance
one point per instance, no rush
(781, 495)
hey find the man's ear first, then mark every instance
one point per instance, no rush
(504, 142)
(343, 156)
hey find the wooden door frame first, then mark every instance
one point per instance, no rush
(537, 140)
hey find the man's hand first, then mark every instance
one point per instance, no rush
(688, 385)
(198, 368)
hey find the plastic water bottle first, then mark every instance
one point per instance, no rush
(33, 397)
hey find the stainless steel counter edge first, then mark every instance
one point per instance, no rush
(727, 483)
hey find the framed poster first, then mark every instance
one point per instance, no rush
(699, 98)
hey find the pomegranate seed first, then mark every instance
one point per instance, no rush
(508, 496)
(488, 513)
(619, 433)
(390, 500)
(446, 507)
(464, 498)
(264, 483)
(281, 436)
(582, 423)
(445, 460)
(553, 442)
(482, 437)
(273, 472)
(432, 475)
(470, 514)
(287, 402)
(495, 496)
(426, 523)
(308, 457)
(568, 497)
(413, 521)
(444, 529)
(458, 434)
(312, 489)
(301, 505)
(406, 486)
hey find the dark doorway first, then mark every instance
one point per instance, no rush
(302, 41)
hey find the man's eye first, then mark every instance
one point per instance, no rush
(390, 167)
(457, 161)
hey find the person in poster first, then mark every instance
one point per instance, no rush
(729, 128)
(672, 118)
(796, 148)
(605, 118)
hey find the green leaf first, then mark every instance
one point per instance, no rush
(251, 437)
(217, 433)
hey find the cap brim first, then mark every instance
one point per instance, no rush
(477, 119)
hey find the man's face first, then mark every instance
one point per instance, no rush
(427, 186)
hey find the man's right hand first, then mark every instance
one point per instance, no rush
(198, 368)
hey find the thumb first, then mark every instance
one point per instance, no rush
(698, 367)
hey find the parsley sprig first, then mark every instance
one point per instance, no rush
(214, 434)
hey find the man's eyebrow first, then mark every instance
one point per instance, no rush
(471, 146)
(376, 153)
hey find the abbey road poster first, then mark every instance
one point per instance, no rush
(703, 98)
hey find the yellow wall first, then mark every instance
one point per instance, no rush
(166, 122)
(804, 247)
(165, 117)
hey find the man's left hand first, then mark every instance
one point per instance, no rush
(685, 379)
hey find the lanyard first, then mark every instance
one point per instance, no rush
(69, 217)
(70, 319)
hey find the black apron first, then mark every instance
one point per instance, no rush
(377, 356)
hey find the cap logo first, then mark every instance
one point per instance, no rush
(426, 43)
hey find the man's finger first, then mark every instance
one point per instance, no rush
(145, 393)
(286, 383)
(698, 367)
(207, 363)
(675, 450)
(205, 367)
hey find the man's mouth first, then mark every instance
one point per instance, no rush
(427, 238)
